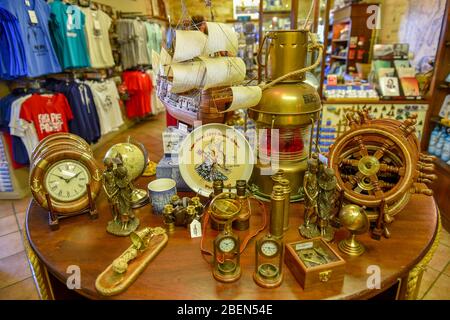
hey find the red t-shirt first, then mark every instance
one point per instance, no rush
(49, 114)
(140, 88)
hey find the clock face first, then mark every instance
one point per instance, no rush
(227, 245)
(66, 180)
(269, 248)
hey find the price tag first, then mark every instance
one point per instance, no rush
(196, 229)
(302, 246)
(33, 17)
(183, 127)
(97, 26)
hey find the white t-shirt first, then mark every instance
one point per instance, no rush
(21, 128)
(106, 100)
(97, 34)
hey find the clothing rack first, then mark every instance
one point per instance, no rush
(133, 15)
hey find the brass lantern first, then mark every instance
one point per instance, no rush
(291, 107)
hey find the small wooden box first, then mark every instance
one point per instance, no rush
(312, 276)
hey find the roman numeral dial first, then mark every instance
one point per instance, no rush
(66, 180)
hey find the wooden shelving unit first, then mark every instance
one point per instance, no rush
(438, 92)
(354, 19)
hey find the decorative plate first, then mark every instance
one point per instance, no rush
(214, 152)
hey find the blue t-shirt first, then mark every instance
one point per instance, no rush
(12, 52)
(67, 30)
(85, 122)
(33, 17)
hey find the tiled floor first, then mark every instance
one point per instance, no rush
(16, 281)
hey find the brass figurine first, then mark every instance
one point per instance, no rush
(326, 202)
(119, 192)
(311, 192)
(124, 270)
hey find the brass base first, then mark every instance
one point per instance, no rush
(262, 185)
(351, 247)
(227, 278)
(116, 228)
(139, 198)
(309, 231)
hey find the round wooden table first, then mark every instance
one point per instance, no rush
(180, 272)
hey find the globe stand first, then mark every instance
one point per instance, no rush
(351, 246)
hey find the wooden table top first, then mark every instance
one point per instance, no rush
(180, 272)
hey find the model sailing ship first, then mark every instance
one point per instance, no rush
(200, 76)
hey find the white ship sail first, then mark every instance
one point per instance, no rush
(188, 45)
(223, 71)
(221, 37)
(165, 61)
(244, 97)
(186, 76)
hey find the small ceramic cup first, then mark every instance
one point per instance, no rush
(160, 192)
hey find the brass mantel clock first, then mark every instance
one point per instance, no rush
(65, 179)
(268, 262)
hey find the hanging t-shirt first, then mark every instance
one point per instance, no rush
(67, 26)
(139, 86)
(21, 128)
(79, 96)
(33, 17)
(49, 114)
(107, 99)
(13, 62)
(97, 26)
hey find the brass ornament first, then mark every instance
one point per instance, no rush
(354, 219)
(378, 165)
(124, 270)
(268, 262)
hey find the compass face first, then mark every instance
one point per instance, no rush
(227, 245)
(269, 248)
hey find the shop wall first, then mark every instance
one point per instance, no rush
(223, 10)
(143, 6)
(416, 22)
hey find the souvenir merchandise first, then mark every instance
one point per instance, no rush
(354, 219)
(315, 265)
(124, 270)
(106, 98)
(133, 41)
(214, 152)
(139, 87)
(268, 262)
(203, 88)
(288, 110)
(223, 209)
(13, 62)
(49, 113)
(134, 157)
(118, 189)
(371, 177)
(161, 192)
(277, 212)
(21, 135)
(97, 25)
(309, 227)
(85, 122)
(65, 179)
(67, 24)
(169, 167)
(389, 86)
(242, 222)
(34, 33)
